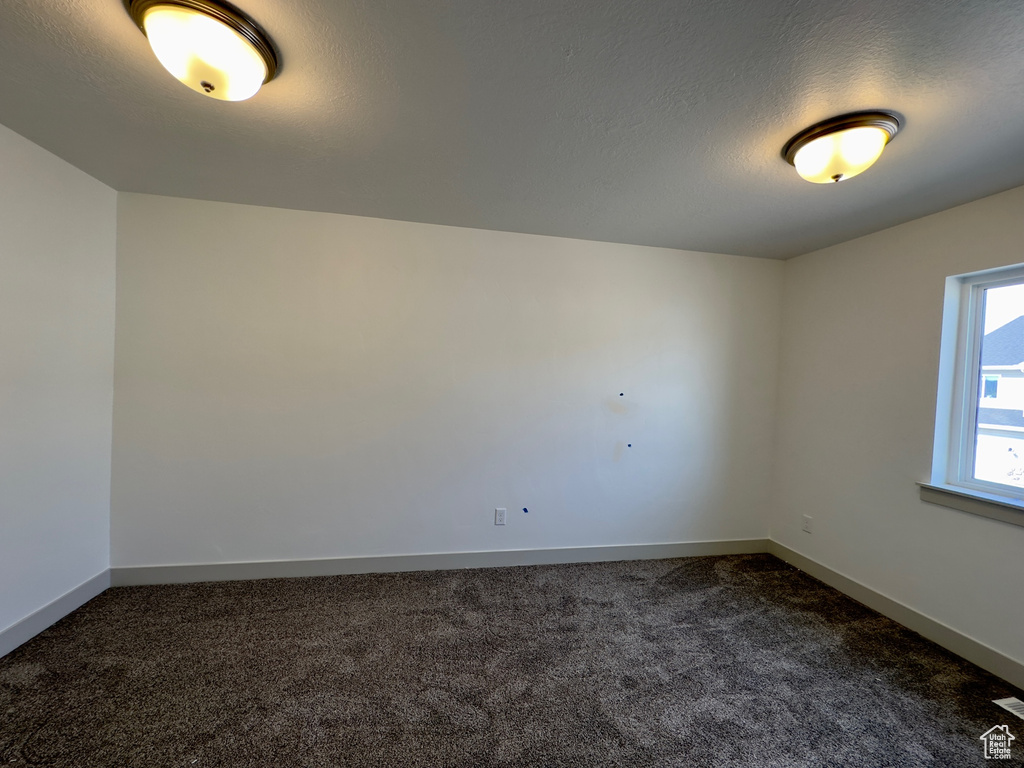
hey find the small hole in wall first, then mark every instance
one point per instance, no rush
(525, 509)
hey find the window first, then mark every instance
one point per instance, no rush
(979, 433)
(991, 387)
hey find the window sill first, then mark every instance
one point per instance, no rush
(1002, 508)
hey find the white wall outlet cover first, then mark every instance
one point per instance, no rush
(499, 516)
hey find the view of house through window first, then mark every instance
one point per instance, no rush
(999, 434)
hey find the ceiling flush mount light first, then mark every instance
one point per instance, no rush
(211, 47)
(841, 147)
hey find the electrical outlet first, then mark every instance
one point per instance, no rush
(807, 524)
(499, 516)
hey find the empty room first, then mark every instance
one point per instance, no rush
(526, 383)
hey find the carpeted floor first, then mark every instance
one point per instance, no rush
(713, 661)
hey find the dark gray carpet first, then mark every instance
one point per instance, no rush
(715, 661)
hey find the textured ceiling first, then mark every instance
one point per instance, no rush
(657, 122)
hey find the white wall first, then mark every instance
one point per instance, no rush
(300, 385)
(861, 324)
(57, 241)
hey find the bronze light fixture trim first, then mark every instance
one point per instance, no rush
(212, 47)
(841, 147)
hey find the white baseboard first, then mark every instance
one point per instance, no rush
(50, 614)
(967, 647)
(122, 576)
(962, 645)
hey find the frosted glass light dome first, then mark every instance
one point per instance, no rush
(212, 49)
(840, 148)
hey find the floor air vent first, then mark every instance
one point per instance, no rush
(1013, 705)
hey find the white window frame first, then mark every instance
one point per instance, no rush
(952, 482)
